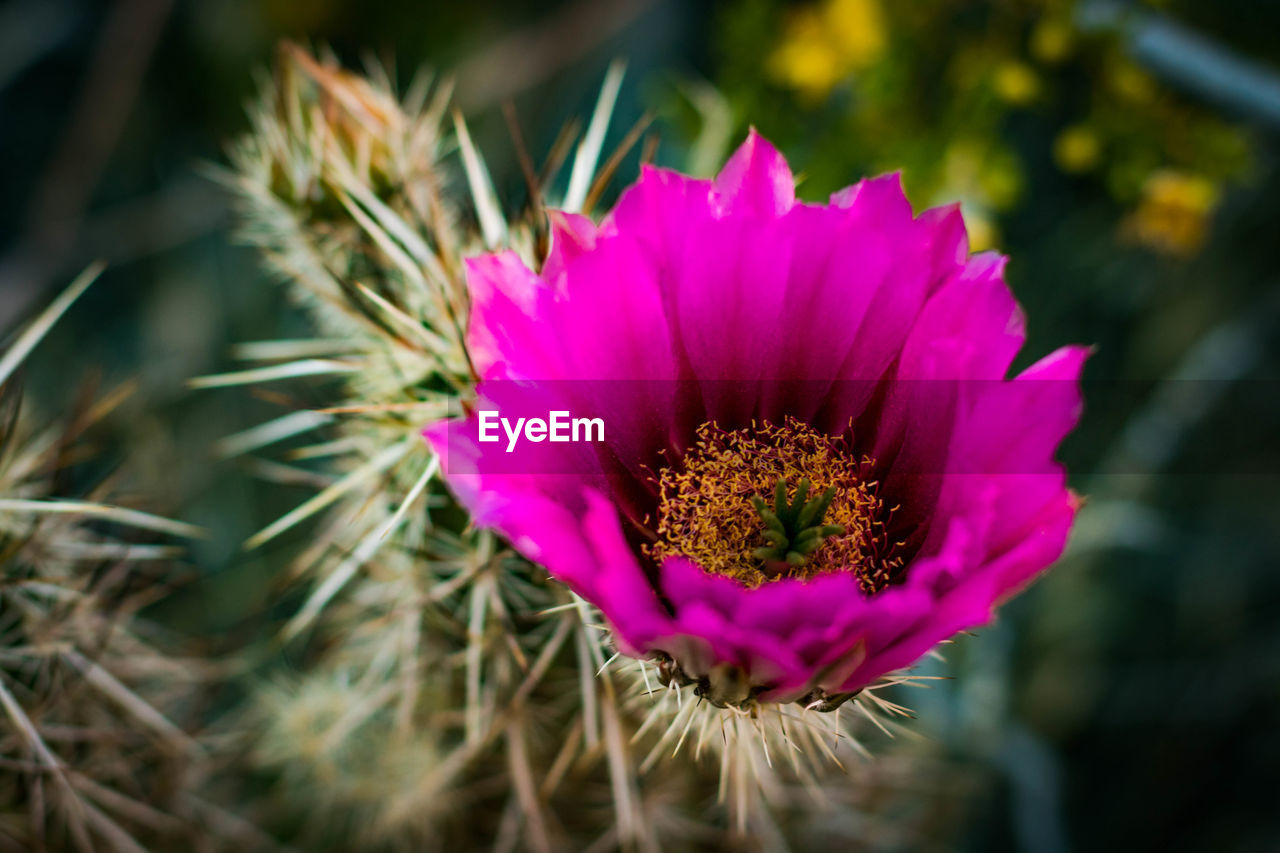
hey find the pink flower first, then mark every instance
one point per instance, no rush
(731, 338)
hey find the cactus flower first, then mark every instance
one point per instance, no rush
(814, 466)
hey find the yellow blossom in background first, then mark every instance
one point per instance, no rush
(1131, 83)
(825, 43)
(984, 234)
(1173, 215)
(1077, 149)
(857, 27)
(1052, 40)
(986, 175)
(1016, 83)
(806, 60)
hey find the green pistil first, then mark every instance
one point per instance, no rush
(794, 530)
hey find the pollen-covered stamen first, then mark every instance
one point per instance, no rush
(824, 517)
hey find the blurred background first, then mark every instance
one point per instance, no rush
(1123, 154)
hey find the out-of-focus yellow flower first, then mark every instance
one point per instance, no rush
(1001, 180)
(1077, 149)
(1016, 83)
(825, 43)
(984, 173)
(1173, 215)
(983, 232)
(1052, 40)
(1131, 83)
(806, 59)
(857, 27)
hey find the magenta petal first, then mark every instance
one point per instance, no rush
(818, 634)
(719, 613)
(572, 235)
(505, 294)
(882, 195)
(1006, 445)
(728, 291)
(966, 335)
(949, 238)
(756, 180)
(574, 532)
(658, 210)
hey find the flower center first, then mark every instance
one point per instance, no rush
(768, 502)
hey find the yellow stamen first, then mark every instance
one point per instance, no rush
(707, 509)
